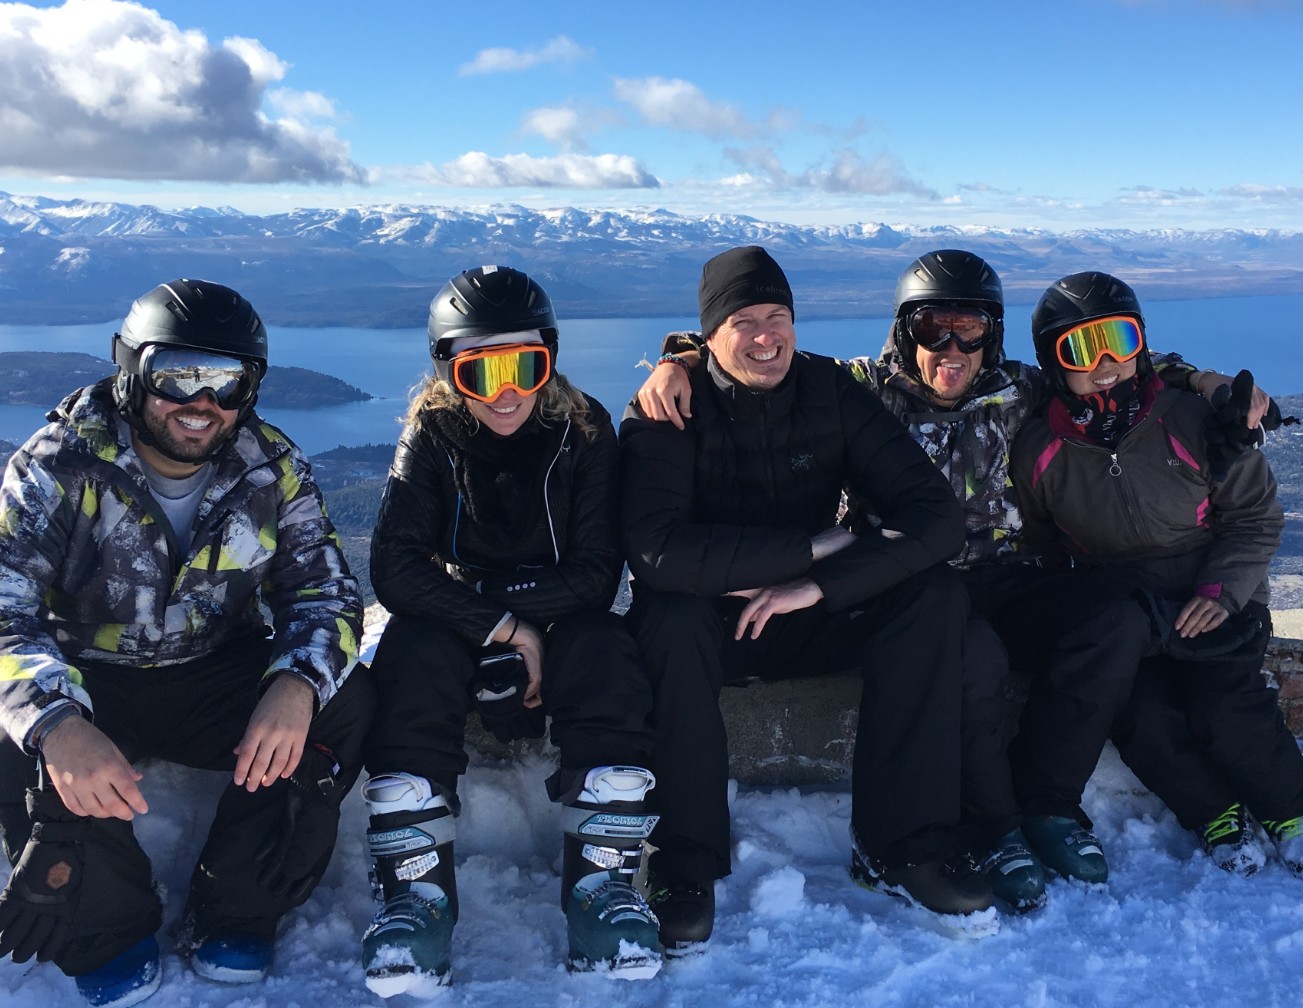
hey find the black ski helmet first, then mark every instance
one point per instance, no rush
(190, 314)
(1080, 298)
(947, 275)
(488, 301)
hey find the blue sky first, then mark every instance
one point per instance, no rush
(1056, 114)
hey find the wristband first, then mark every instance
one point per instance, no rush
(670, 358)
(515, 626)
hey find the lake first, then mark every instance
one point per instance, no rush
(601, 357)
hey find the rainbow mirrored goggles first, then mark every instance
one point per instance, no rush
(182, 376)
(484, 374)
(933, 326)
(1082, 347)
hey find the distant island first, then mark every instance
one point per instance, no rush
(43, 378)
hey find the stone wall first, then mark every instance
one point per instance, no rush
(802, 731)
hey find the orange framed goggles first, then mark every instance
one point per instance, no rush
(484, 374)
(1082, 347)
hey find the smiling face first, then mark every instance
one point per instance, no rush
(949, 372)
(755, 345)
(506, 414)
(188, 433)
(1106, 374)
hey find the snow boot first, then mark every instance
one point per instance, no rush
(611, 927)
(232, 959)
(1231, 842)
(1015, 875)
(686, 910)
(408, 947)
(1067, 847)
(1287, 835)
(125, 979)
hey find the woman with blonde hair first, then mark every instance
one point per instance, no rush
(495, 552)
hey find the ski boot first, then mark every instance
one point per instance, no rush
(611, 927)
(1015, 875)
(686, 910)
(408, 947)
(1067, 847)
(1287, 835)
(1231, 842)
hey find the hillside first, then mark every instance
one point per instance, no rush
(40, 378)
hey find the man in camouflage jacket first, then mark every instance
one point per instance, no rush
(146, 535)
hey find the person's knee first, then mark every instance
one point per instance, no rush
(660, 616)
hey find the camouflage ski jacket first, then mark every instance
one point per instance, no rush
(969, 443)
(90, 569)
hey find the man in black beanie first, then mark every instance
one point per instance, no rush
(741, 571)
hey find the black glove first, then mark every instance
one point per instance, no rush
(37, 905)
(499, 691)
(292, 858)
(1228, 432)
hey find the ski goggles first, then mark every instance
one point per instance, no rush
(182, 376)
(933, 326)
(484, 374)
(1082, 347)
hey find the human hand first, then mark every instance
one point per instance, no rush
(273, 740)
(529, 642)
(829, 541)
(89, 772)
(1255, 402)
(772, 601)
(667, 392)
(1199, 615)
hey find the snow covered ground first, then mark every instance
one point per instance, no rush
(1169, 928)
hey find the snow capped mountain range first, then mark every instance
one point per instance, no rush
(77, 261)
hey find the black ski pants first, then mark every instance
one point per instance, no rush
(905, 644)
(194, 715)
(594, 689)
(1205, 733)
(1080, 637)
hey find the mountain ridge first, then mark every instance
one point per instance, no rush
(76, 261)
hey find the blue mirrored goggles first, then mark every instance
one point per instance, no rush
(182, 376)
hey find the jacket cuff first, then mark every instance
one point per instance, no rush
(53, 714)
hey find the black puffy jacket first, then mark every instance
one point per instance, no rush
(733, 501)
(430, 558)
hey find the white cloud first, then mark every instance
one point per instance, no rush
(561, 126)
(561, 49)
(850, 173)
(301, 104)
(681, 105)
(477, 170)
(110, 89)
(1264, 193)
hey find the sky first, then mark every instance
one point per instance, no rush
(1074, 114)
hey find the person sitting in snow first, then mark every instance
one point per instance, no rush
(1129, 479)
(944, 373)
(144, 531)
(496, 553)
(740, 570)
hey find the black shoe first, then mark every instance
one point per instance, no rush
(686, 911)
(938, 886)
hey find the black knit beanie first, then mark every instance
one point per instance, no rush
(737, 279)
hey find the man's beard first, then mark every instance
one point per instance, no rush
(160, 432)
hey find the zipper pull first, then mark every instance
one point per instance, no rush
(1114, 469)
